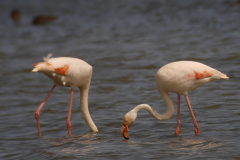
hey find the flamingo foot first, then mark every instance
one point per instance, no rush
(37, 115)
(197, 131)
(177, 132)
(69, 127)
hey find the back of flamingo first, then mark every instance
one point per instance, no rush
(182, 77)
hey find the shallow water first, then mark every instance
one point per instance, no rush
(126, 42)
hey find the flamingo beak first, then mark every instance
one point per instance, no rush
(124, 130)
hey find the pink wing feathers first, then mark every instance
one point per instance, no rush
(198, 71)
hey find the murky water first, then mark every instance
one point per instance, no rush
(126, 42)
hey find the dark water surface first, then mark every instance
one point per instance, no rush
(126, 42)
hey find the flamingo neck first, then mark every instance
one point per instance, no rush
(166, 116)
(84, 109)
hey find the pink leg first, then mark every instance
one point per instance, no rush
(193, 117)
(37, 113)
(178, 130)
(69, 112)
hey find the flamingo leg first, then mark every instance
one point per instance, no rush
(69, 112)
(193, 117)
(178, 129)
(37, 113)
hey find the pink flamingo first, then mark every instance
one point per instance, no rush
(178, 77)
(67, 72)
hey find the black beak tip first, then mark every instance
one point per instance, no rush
(125, 137)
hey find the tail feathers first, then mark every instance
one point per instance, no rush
(49, 56)
(43, 66)
(35, 69)
(219, 75)
(224, 76)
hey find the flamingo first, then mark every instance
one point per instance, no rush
(67, 72)
(179, 77)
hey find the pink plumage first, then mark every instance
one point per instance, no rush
(68, 72)
(178, 77)
(182, 77)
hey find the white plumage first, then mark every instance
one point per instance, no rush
(178, 77)
(69, 72)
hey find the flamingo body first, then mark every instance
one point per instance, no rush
(68, 72)
(182, 77)
(179, 77)
(65, 71)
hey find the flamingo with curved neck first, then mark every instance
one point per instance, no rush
(67, 72)
(179, 77)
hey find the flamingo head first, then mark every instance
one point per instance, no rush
(128, 120)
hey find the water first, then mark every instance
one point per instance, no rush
(126, 42)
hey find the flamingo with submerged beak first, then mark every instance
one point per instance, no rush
(178, 77)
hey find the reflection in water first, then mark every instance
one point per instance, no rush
(76, 150)
(193, 145)
(131, 143)
(187, 146)
(76, 144)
